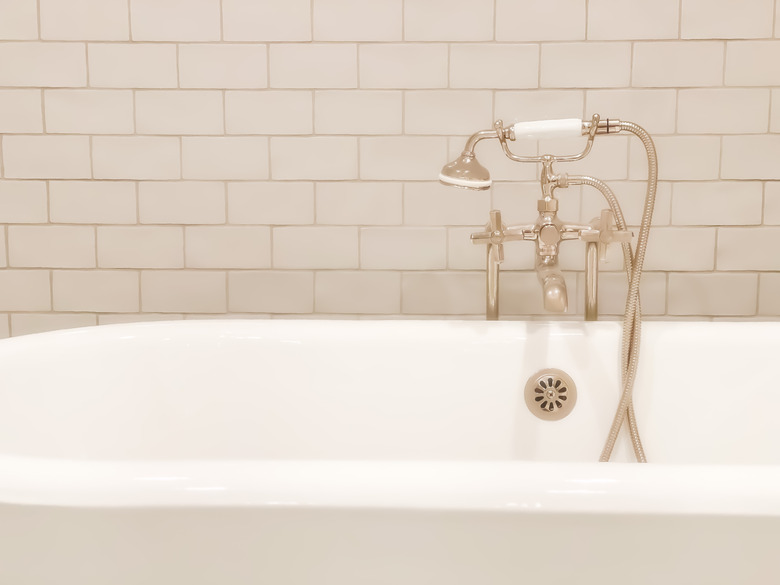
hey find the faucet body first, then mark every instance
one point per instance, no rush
(548, 232)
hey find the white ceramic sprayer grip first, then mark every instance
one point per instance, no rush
(565, 128)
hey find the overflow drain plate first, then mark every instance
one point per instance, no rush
(550, 394)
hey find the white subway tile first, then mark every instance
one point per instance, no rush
(223, 66)
(313, 65)
(3, 251)
(271, 203)
(680, 158)
(361, 203)
(403, 66)
(494, 66)
(51, 246)
(631, 197)
(748, 248)
(403, 248)
(678, 64)
(5, 326)
(447, 112)
(179, 112)
(356, 20)
(751, 157)
(92, 202)
(175, 20)
(402, 158)
(632, 19)
(23, 201)
(653, 109)
(227, 247)
(43, 64)
(136, 157)
(269, 20)
(20, 20)
(20, 112)
(96, 291)
(132, 65)
(46, 157)
(540, 20)
(585, 65)
(463, 254)
(448, 20)
(25, 290)
(774, 116)
(608, 159)
(613, 288)
(518, 106)
(359, 292)
(712, 294)
(435, 204)
(726, 19)
(140, 247)
(769, 294)
(118, 318)
(268, 112)
(717, 203)
(29, 323)
(220, 158)
(681, 249)
(771, 203)
(84, 20)
(88, 111)
(183, 291)
(317, 157)
(181, 202)
(723, 111)
(443, 293)
(315, 247)
(358, 112)
(270, 291)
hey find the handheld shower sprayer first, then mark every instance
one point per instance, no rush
(466, 171)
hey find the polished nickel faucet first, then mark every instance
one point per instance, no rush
(549, 230)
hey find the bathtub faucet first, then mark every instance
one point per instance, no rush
(549, 230)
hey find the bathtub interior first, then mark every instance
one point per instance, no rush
(403, 391)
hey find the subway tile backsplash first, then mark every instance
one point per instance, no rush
(162, 159)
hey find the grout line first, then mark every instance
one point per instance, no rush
(129, 21)
(225, 192)
(679, 19)
(221, 22)
(587, 18)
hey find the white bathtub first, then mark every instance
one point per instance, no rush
(385, 453)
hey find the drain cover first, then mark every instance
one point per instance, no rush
(550, 394)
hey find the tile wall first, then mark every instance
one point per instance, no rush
(169, 159)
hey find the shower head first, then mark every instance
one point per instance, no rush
(466, 172)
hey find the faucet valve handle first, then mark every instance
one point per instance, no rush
(603, 232)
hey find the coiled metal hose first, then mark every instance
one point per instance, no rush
(632, 319)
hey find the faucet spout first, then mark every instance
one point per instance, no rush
(556, 298)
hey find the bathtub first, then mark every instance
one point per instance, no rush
(385, 453)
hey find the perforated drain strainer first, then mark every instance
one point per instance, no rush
(550, 394)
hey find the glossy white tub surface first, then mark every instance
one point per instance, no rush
(393, 452)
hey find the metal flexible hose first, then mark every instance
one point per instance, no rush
(631, 330)
(632, 299)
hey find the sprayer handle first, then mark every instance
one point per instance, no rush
(566, 128)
